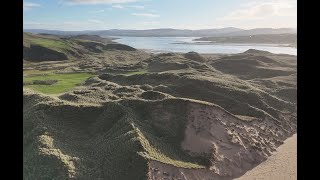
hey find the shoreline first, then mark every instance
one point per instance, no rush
(236, 44)
(154, 51)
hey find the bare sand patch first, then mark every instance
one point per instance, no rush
(281, 165)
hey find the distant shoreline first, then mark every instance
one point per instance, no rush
(182, 44)
(237, 44)
(196, 41)
(286, 39)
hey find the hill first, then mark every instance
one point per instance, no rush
(130, 135)
(48, 47)
(121, 114)
(95, 38)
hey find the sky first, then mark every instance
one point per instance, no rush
(73, 15)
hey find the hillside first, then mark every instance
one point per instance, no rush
(117, 113)
(95, 38)
(47, 47)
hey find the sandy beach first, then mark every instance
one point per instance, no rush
(282, 165)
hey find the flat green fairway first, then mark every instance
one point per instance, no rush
(65, 82)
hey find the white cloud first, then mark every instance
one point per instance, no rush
(99, 1)
(260, 10)
(136, 7)
(95, 21)
(118, 6)
(91, 24)
(97, 11)
(256, 12)
(146, 15)
(28, 5)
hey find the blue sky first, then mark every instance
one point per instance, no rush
(149, 14)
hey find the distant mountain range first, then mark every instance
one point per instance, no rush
(229, 31)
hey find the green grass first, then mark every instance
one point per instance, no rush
(65, 82)
(51, 43)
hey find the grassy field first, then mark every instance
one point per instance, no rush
(40, 48)
(51, 43)
(65, 82)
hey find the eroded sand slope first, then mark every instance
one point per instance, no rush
(281, 165)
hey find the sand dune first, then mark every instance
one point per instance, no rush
(117, 114)
(280, 166)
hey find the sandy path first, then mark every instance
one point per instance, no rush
(282, 165)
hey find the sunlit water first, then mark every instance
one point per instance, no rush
(175, 44)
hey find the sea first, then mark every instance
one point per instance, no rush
(187, 44)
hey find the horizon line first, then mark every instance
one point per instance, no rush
(162, 28)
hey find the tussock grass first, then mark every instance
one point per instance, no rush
(35, 72)
(135, 72)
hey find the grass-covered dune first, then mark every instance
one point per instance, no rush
(54, 48)
(256, 65)
(41, 48)
(94, 109)
(122, 139)
(238, 97)
(108, 142)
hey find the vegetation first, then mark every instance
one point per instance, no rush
(119, 147)
(64, 83)
(36, 72)
(48, 42)
(237, 96)
(59, 48)
(135, 72)
(113, 125)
